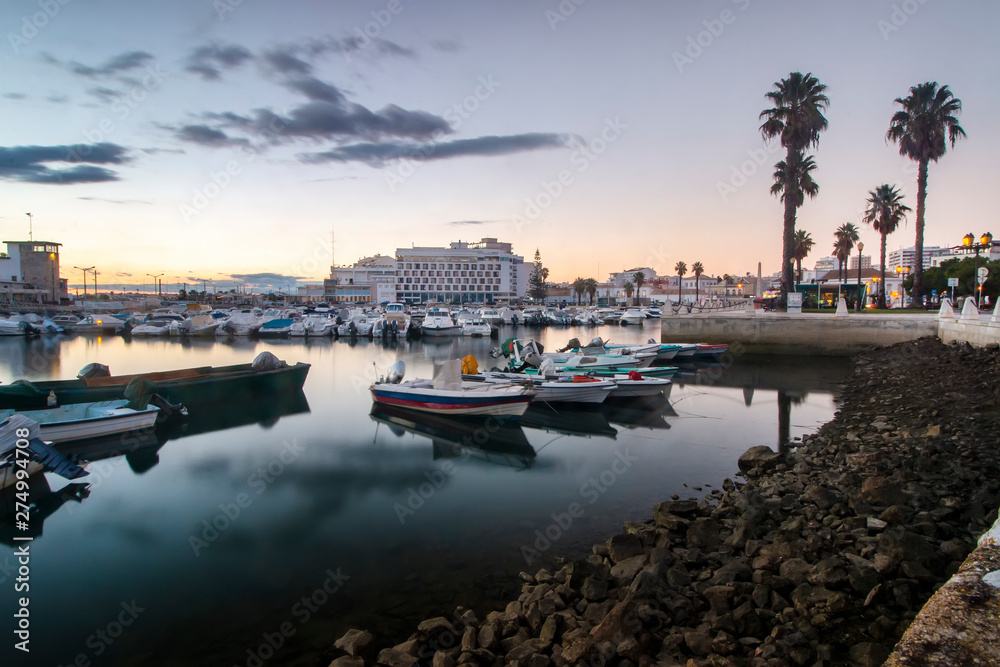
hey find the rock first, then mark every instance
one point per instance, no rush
(900, 545)
(678, 576)
(704, 533)
(624, 572)
(550, 629)
(680, 507)
(594, 589)
(758, 459)
(355, 642)
(393, 658)
(733, 570)
(442, 659)
(469, 639)
(821, 496)
(876, 524)
(576, 646)
(622, 547)
(867, 654)
(348, 661)
(795, 570)
(488, 636)
(410, 647)
(699, 643)
(527, 649)
(880, 491)
(619, 623)
(432, 627)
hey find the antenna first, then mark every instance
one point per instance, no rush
(31, 219)
(333, 248)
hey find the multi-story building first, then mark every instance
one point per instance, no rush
(29, 271)
(907, 257)
(619, 278)
(866, 262)
(368, 280)
(484, 272)
(826, 264)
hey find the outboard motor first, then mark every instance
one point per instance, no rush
(573, 344)
(352, 329)
(396, 372)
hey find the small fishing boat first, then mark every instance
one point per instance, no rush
(635, 385)
(152, 328)
(199, 326)
(82, 421)
(558, 389)
(34, 457)
(447, 393)
(632, 316)
(476, 327)
(277, 328)
(96, 324)
(357, 323)
(710, 351)
(241, 323)
(13, 328)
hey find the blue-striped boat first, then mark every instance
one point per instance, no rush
(462, 398)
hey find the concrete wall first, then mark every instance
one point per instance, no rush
(806, 334)
(969, 327)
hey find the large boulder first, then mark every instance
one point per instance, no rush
(758, 459)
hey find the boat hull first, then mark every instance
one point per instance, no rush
(459, 402)
(107, 420)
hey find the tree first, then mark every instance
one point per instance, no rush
(697, 268)
(885, 212)
(537, 288)
(797, 119)
(629, 290)
(923, 128)
(579, 287)
(681, 268)
(847, 235)
(640, 280)
(591, 288)
(803, 246)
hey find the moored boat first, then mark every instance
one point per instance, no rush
(448, 393)
(82, 421)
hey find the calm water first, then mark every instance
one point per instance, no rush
(400, 519)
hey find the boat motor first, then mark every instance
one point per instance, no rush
(396, 372)
(93, 371)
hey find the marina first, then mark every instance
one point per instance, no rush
(421, 511)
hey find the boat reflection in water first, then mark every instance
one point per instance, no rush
(140, 450)
(569, 419)
(648, 412)
(492, 439)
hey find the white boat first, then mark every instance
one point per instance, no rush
(554, 316)
(632, 316)
(476, 327)
(653, 313)
(241, 323)
(560, 388)
(81, 421)
(396, 313)
(630, 386)
(492, 316)
(438, 322)
(358, 323)
(152, 328)
(449, 394)
(279, 327)
(509, 316)
(609, 315)
(99, 324)
(313, 326)
(13, 328)
(199, 326)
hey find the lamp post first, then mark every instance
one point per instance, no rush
(154, 281)
(985, 241)
(89, 268)
(902, 272)
(861, 246)
(31, 220)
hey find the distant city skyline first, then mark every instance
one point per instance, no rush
(224, 140)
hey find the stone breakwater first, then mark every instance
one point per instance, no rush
(823, 555)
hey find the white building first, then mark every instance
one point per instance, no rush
(485, 271)
(826, 264)
(621, 277)
(368, 280)
(908, 256)
(866, 262)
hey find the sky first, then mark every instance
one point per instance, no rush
(225, 140)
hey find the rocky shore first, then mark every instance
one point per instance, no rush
(820, 555)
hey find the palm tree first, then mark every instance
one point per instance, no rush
(885, 212)
(697, 269)
(681, 268)
(629, 290)
(797, 118)
(579, 288)
(640, 280)
(590, 286)
(803, 246)
(847, 235)
(923, 128)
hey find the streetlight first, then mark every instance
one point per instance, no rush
(985, 241)
(902, 272)
(89, 268)
(31, 220)
(154, 280)
(861, 246)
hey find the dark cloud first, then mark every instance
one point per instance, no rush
(379, 154)
(30, 163)
(316, 90)
(122, 274)
(206, 136)
(353, 46)
(116, 65)
(284, 60)
(15, 96)
(106, 95)
(57, 99)
(208, 61)
(462, 223)
(266, 279)
(116, 201)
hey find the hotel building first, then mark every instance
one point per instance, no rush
(486, 271)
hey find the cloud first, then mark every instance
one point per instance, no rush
(462, 223)
(283, 60)
(446, 45)
(29, 164)
(353, 46)
(15, 96)
(116, 201)
(106, 95)
(316, 90)
(117, 64)
(206, 136)
(266, 279)
(57, 99)
(379, 154)
(208, 61)
(122, 274)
